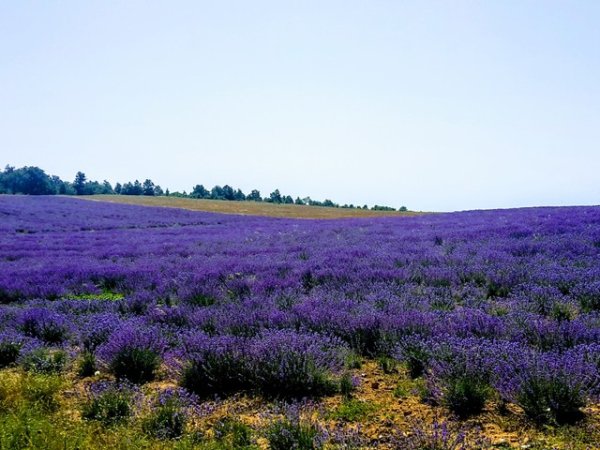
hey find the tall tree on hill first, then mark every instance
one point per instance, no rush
(239, 195)
(254, 196)
(34, 181)
(199, 191)
(275, 196)
(216, 193)
(148, 187)
(80, 183)
(137, 188)
(107, 188)
(228, 192)
(132, 189)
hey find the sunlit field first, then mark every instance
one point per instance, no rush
(128, 326)
(248, 207)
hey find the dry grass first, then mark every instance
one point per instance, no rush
(387, 414)
(248, 208)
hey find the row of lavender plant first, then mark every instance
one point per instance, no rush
(482, 304)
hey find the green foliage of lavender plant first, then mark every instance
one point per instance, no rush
(347, 385)
(460, 375)
(44, 360)
(133, 353)
(41, 391)
(286, 434)
(9, 352)
(551, 400)
(352, 410)
(214, 375)
(108, 404)
(137, 365)
(466, 395)
(437, 436)
(233, 434)
(169, 415)
(87, 365)
(387, 364)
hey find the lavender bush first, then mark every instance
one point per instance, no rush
(439, 436)
(460, 374)
(10, 348)
(552, 387)
(133, 353)
(293, 431)
(43, 360)
(214, 366)
(288, 364)
(169, 414)
(276, 364)
(109, 403)
(44, 324)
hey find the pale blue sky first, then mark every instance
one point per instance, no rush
(433, 105)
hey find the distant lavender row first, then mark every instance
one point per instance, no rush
(510, 282)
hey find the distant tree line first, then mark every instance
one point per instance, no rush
(32, 180)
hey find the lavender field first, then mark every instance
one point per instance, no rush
(478, 312)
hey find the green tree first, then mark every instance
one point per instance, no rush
(30, 180)
(138, 189)
(107, 188)
(239, 195)
(254, 196)
(148, 187)
(199, 191)
(275, 196)
(132, 189)
(216, 193)
(228, 192)
(79, 183)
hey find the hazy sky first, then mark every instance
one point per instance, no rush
(433, 105)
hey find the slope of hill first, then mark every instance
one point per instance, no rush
(247, 208)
